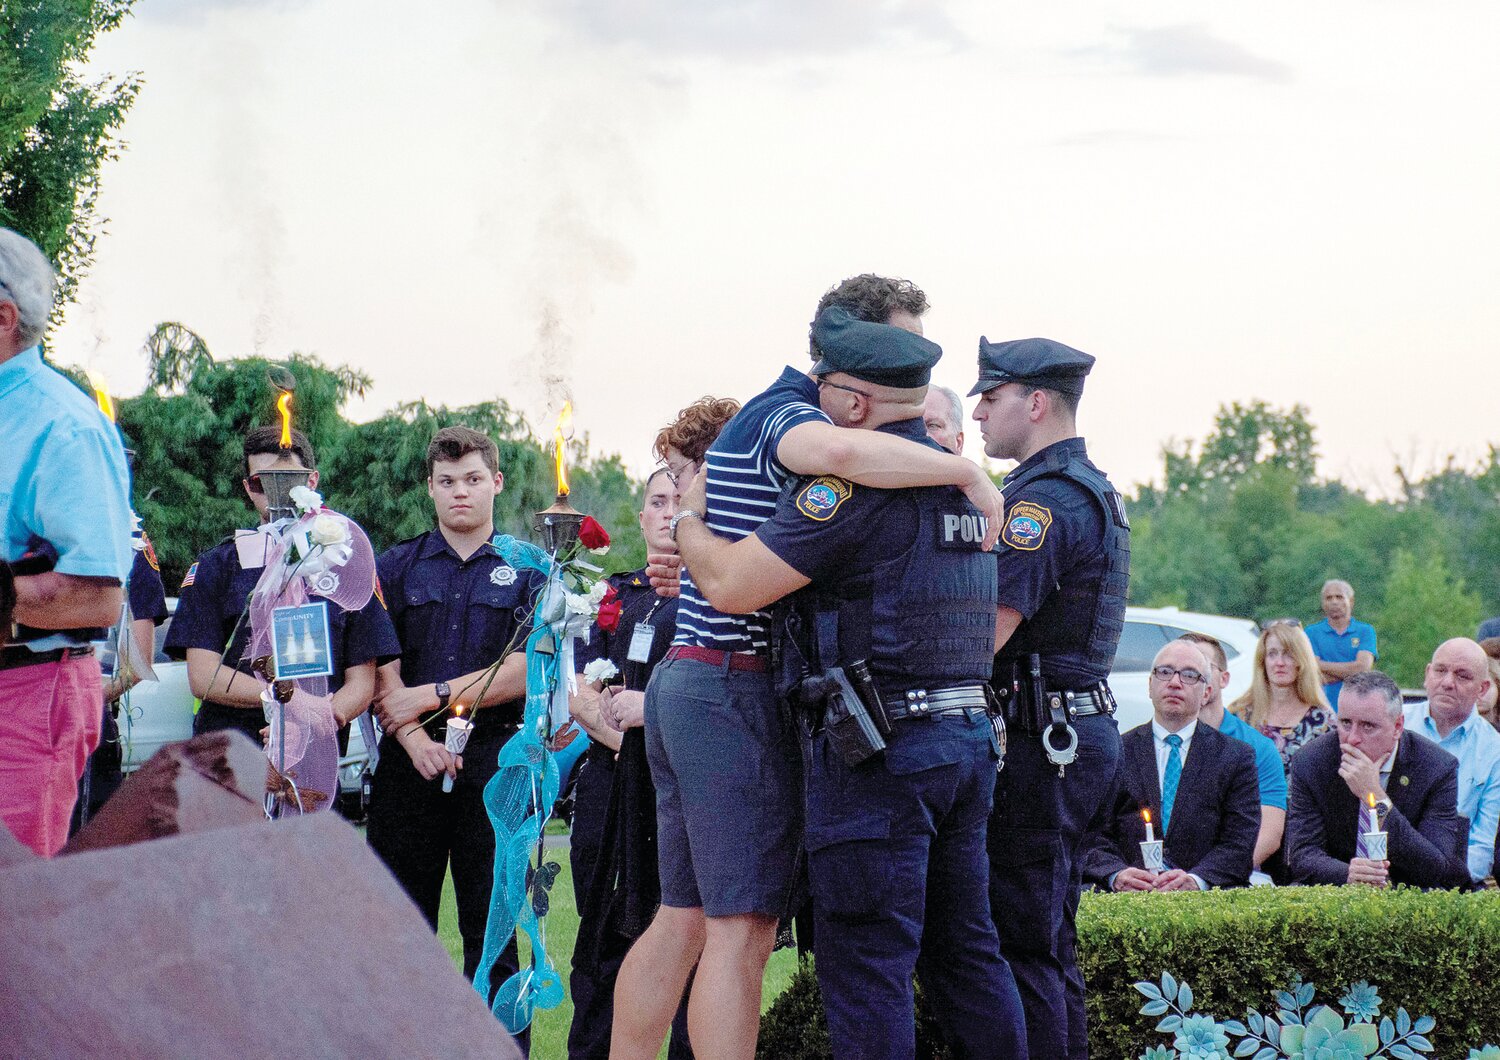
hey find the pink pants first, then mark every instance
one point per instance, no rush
(49, 723)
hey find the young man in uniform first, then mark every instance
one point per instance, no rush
(211, 628)
(1064, 564)
(900, 603)
(724, 761)
(458, 609)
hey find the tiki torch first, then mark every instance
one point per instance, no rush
(559, 523)
(278, 483)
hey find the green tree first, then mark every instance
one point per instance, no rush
(56, 128)
(1425, 604)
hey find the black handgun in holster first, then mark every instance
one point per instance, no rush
(856, 726)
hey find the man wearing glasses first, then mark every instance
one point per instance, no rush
(211, 629)
(1199, 786)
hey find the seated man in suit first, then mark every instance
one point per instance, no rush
(1200, 785)
(1414, 785)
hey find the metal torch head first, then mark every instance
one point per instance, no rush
(558, 525)
(278, 484)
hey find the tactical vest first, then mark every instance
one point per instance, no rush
(1078, 626)
(930, 619)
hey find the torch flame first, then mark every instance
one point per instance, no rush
(559, 446)
(101, 395)
(284, 406)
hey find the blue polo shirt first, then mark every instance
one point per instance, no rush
(63, 478)
(1476, 745)
(1330, 646)
(1267, 759)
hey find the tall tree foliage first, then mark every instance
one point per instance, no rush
(57, 129)
(1242, 526)
(187, 427)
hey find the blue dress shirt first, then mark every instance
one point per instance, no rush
(1476, 745)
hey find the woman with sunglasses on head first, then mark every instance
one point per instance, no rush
(1286, 700)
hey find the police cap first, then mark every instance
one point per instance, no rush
(1036, 362)
(876, 353)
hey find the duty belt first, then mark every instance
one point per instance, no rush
(1088, 702)
(923, 703)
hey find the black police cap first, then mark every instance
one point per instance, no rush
(876, 353)
(1036, 362)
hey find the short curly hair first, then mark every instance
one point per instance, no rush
(695, 427)
(870, 297)
(452, 444)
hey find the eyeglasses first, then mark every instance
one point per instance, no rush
(823, 381)
(675, 472)
(1188, 675)
(253, 484)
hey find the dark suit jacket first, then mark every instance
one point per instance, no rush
(1422, 830)
(1215, 817)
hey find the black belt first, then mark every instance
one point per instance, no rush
(17, 655)
(1087, 702)
(937, 702)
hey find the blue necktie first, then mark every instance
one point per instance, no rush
(1169, 781)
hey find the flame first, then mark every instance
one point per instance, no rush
(1370, 798)
(559, 446)
(101, 395)
(284, 406)
(458, 710)
(1146, 815)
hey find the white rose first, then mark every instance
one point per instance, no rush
(306, 499)
(579, 605)
(596, 594)
(326, 530)
(600, 670)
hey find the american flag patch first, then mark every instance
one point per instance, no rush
(189, 577)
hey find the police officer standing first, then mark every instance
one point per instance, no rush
(886, 654)
(1064, 564)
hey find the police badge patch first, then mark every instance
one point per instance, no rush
(820, 498)
(503, 575)
(1026, 526)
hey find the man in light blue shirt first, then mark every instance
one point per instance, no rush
(1343, 646)
(1268, 767)
(64, 553)
(1457, 676)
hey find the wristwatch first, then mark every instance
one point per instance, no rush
(1383, 807)
(443, 692)
(684, 513)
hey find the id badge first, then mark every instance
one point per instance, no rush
(640, 643)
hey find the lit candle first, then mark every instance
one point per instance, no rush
(1151, 848)
(1375, 838)
(456, 738)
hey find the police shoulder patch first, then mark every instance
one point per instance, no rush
(149, 551)
(1026, 526)
(821, 497)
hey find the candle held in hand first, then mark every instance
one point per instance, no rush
(456, 738)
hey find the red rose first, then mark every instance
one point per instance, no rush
(609, 611)
(592, 534)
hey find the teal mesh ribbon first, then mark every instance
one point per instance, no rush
(519, 798)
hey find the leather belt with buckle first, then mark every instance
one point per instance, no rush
(17, 655)
(926, 703)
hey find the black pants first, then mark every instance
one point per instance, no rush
(1035, 832)
(419, 830)
(102, 776)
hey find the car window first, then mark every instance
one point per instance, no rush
(1139, 643)
(1230, 651)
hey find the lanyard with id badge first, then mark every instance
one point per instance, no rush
(642, 636)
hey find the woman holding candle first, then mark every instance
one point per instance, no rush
(1286, 700)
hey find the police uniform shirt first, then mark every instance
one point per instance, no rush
(455, 616)
(639, 603)
(836, 532)
(148, 597)
(1054, 532)
(214, 595)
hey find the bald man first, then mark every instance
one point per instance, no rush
(1457, 677)
(1343, 645)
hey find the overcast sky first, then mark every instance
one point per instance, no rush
(641, 202)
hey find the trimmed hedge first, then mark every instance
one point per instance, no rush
(1434, 953)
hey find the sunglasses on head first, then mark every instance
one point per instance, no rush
(1295, 623)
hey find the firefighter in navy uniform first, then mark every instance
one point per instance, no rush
(885, 657)
(1064, 566)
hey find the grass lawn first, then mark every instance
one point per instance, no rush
(549, 1033)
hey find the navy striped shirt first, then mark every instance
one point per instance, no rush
(744, 481)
